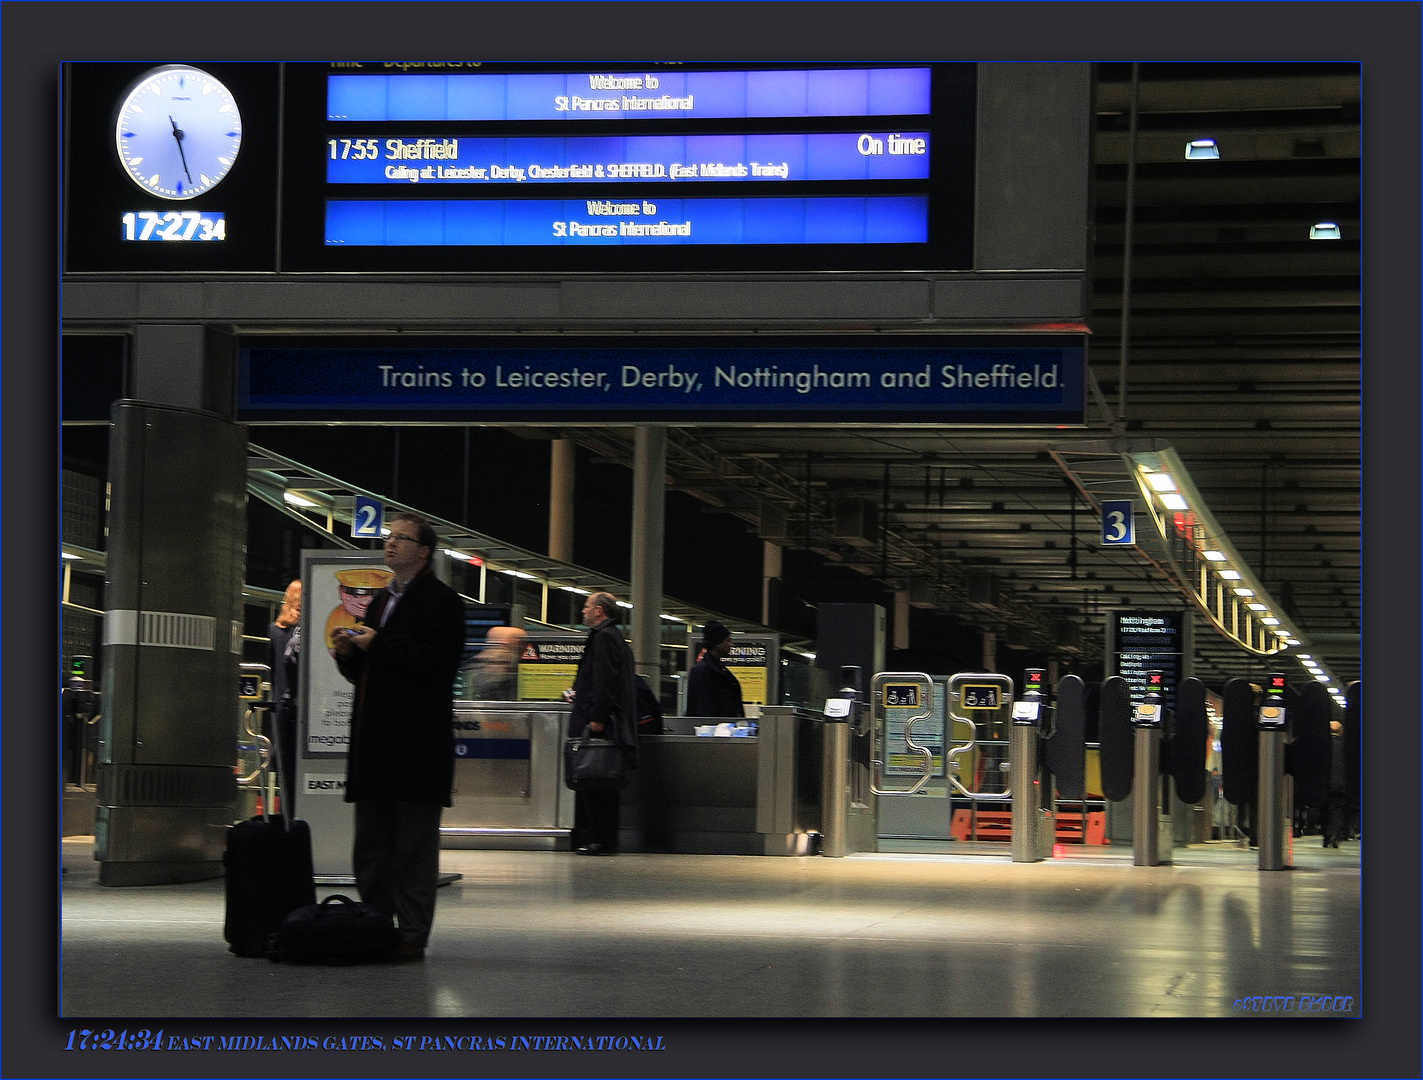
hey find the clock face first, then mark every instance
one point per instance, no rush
(178, 132)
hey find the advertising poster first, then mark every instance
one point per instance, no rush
(337, 595)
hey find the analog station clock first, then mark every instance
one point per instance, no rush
(178, 132)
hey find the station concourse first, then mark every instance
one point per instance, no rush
(915, 399)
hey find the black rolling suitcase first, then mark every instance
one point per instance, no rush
(269, 875)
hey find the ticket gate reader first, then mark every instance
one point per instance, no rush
(1275, 832)
(79, 718)
(848, 729)
(1152, 828)
(1030, 720)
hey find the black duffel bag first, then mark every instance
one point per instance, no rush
(591, 764)
(338, 930)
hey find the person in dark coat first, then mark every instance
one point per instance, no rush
(402, 660)
(712, 690)
(1335, 826)
(284, 658)
(604, 697)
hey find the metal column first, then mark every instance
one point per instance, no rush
(835, 787)
(1023, 756)
(1146, 797)
(1272, 803)
(649, 489)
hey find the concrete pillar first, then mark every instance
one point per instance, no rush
(770, 569)
(901, 619)
(990, 651)
(649, 491)
(562, 469)
(173, 613)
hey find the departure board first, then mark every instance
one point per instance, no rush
(1143, 641)
(406, 167)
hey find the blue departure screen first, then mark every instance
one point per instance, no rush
(542, 222)
(867, 155)
(628, 95)
(423, 166)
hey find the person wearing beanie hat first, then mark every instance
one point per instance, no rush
(712, 690)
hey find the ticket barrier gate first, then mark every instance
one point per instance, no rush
(256, 779)
(79, 711)
(975, 699)
(1153, 831)
(1272, 742)
(1147, 751)
(1275, 833)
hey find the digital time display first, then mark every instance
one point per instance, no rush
(174, 225)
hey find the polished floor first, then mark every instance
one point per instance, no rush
(550, 934)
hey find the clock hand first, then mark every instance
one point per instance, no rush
(178, 134)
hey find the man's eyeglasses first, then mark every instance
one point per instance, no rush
(401, 536)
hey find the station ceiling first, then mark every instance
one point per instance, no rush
(1242, 354)
(1242, 358)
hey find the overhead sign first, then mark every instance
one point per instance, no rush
(1118, 524)
(1003, 380)
(368, 518)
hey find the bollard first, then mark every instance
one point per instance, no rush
(835, 786)
(1149, 792)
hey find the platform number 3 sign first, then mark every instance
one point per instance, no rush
(1117, 524)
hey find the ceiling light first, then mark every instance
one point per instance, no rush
(624, 603)
(574, 588)
(66, 555)
(474, 560)
(1244, 592)
(673, 618)
(519, 574)
(1257, 607)
(1306, 656)
(1219, 556)
(1202, 150)
(1322, 678)
(1229, 575)
(1324, 230)
(296, 500)
(1173, 502)
(1270, 620)
(1291, 641)
(1161, 481)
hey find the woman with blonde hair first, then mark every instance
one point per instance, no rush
(284, 657)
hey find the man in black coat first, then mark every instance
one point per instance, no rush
(604, 697)
(403, 660)
(712, 690)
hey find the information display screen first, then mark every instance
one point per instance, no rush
(666, 167)
(1141, 642)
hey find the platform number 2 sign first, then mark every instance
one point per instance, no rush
(1117, 524)
(368, 515)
